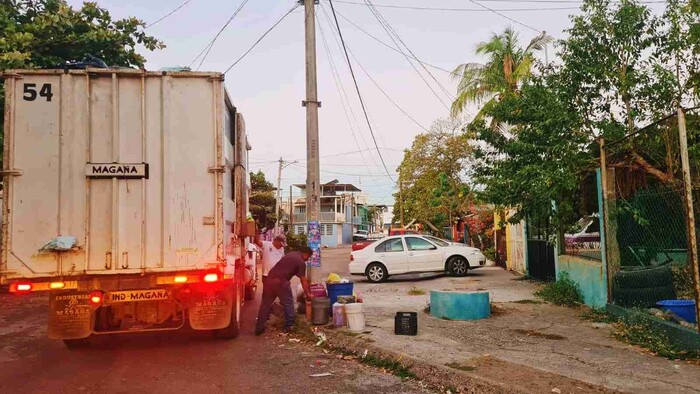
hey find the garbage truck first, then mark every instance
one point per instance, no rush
(125, 198)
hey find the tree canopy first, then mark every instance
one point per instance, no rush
(262, 200)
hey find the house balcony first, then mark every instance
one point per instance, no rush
(326, 217)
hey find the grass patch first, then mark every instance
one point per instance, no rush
(527, 302)
(639, 332)
(461, 367)
(416, 291)
(598, 315)
(564, 292)
(395, 367)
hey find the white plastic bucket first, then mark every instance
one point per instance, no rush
(355, 317)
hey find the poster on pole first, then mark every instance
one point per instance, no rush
(314, 242)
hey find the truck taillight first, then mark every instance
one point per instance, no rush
(96, 297)
(212, 277)
(21, 288)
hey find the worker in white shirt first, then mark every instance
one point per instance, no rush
(272, 252)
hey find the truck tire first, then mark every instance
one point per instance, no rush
(233, 329)
(643, 297)
(644, 278)
(77, 343)
(250, 292)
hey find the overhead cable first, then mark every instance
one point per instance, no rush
(357, 88)
(210, 45)
(261, 38)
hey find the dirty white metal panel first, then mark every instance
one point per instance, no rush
(61, 127)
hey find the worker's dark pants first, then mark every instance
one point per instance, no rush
(274, 288)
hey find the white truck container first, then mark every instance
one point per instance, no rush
(147, 172)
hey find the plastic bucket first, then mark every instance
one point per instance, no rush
(685, 309)
(321, 309)
(338, 289)
(355, 317)
(339, 315)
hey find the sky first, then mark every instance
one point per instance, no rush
(268, 85)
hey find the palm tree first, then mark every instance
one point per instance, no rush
(507, 66)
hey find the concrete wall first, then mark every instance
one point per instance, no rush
(589, 276)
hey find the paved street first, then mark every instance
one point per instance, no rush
(180, 362)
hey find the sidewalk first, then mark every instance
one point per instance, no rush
(528, 346)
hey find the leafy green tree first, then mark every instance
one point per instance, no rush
(262, 200)
(507, 66)
(433, 173)
(45, 33)
(543, 161)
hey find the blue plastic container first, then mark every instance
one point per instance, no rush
(453, 305)
(338, 289)
(685, 309)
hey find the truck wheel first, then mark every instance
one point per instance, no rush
(233, 328)
(250, 292)
(77, 343)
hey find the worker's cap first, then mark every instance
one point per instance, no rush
(281, 239)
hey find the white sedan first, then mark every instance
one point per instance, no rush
(405, 254)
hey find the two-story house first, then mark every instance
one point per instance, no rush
(339, 216)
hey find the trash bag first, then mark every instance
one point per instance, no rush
(89, 61)
(333, 278)
(61, 243)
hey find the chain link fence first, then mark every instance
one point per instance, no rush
(646, 212)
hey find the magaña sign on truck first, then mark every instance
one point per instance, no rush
(126, 198)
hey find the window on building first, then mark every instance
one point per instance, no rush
(326, 229)
(418, 244)
(391, 245)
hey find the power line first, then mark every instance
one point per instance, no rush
(379, 87)
(261, 38)
(167, 15)
(379, 15)
(391, 47)
(504, 16)
(388, 31)
(357, 88)
(339, 87)
(210, 45)
(403, 7)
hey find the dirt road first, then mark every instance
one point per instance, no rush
(178, 362)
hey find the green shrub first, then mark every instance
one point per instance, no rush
(295, 241)
(562, 292)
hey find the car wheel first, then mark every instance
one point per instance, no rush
(377, 273)
(457, 266)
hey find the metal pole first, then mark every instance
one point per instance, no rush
(604, 213)
(313, 175)
(401, 196)
(277, 201)
(690, 213)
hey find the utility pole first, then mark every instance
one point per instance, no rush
(401, 196)
(277, 200)
(690, 213)
(313, 174)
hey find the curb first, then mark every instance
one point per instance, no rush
(440, 376)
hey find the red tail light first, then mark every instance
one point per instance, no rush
(96, 298)
(211, 277)
(21, 288)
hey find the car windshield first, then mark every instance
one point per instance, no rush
(438, 241)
